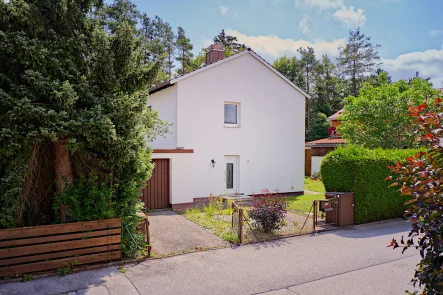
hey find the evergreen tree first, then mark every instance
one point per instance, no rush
(184, 54)
(230, 43)
(380, 77)
(358, 58)
(159, 39)
(73, 100)
(308, 64)
(327, 95)
(319, 126)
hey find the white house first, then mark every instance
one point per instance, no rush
(238, 128)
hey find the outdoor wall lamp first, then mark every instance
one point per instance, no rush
(213, 163)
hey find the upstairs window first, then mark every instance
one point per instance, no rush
(232, 114)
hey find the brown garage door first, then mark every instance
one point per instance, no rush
(156, 192)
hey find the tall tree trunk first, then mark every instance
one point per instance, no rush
(169, 62)
(183, 63)
(308, 111)
(63, 171)
(354, 79)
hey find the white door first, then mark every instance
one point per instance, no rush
(231, 174)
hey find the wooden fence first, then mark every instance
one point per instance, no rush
(37, 248)
(308, 162)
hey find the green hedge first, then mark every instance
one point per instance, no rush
(363, 171)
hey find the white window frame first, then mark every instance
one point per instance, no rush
(228, 125)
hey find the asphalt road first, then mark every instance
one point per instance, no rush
(348, 261)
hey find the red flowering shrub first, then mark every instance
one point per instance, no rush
(268, 210)
(422, 179)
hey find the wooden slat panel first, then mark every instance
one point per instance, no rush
(156, 191)
(321, 151)
(64, 237)
(53, 255)
(58, 246)
(308, 162)
(45, 230)
(52, 264)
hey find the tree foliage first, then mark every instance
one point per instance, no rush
(184, 54)
(319, 126)
(421, 180)
(378, 116)
(358, 58)
(230, 43)
(70, 75)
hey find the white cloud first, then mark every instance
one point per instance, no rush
(321, 4)
(303, 25)
(223, 10)
(435, 33)
(274, 47)
(429, 63)
(346, 15)
(350, 17)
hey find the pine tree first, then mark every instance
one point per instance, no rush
(308, 63)
(230, 43)
(159, 39)
(327, 95)
(358, 58)
(184, 54)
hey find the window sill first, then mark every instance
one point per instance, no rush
(231, 126)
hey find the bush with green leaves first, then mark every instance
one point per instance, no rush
(420, 179)
(268, 210)
(87, 199)
(362, 171)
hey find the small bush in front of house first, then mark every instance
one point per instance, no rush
(268, 210)
(362, 171)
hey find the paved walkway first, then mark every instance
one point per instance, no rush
(171, 234)
(349, 261)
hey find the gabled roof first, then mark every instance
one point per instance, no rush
(330, 141)
(335, 116)
(207, 67)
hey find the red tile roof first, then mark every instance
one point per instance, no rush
(335, 116)
(327, 141)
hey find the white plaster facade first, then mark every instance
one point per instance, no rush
(268, 143)
(315, 164)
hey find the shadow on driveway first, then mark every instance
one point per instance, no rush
(172, 234)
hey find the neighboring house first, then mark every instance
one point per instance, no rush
(320, 147)
(238, 128)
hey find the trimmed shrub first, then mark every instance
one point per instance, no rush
(363, 171)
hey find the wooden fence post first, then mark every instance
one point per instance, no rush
(240, 225)
(232, 215)
(148, 236)
(315, 215)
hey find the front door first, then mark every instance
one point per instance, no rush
(231, 174)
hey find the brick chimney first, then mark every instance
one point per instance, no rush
(215, 53)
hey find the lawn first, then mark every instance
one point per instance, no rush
(314, 185)
(303, 203)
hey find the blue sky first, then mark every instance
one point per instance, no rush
(410, 31)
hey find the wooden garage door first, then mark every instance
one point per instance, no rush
(156, 192)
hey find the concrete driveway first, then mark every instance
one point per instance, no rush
(172, 234)
(348, 261)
